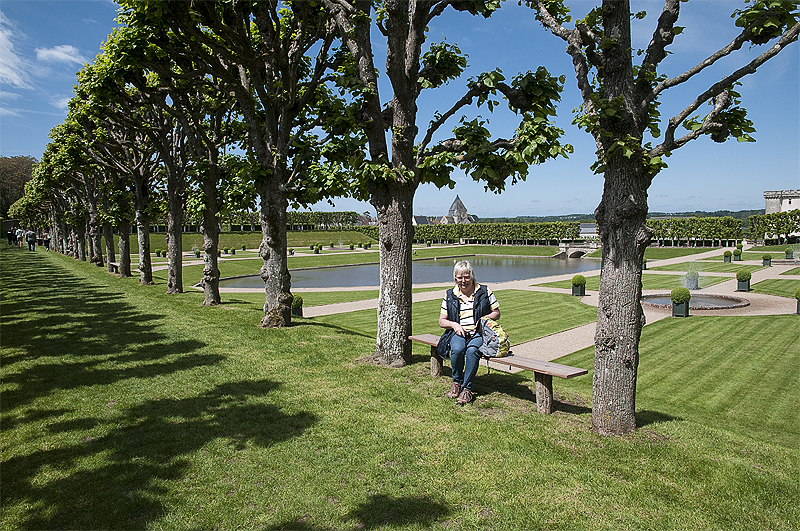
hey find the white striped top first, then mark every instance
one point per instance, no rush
(466, 315)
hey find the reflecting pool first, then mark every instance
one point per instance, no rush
(488, 269)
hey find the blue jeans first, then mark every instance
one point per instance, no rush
(464, 359)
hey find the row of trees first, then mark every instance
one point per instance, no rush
(778, 226)
(292, 87)
(14, 173)
(696, 231)
(507, 233)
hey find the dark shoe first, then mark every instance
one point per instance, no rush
(454, 391)
(465, 397)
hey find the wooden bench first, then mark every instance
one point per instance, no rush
(543, 370)
(114, 266)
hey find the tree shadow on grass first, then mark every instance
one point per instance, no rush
(384, 511)
(109, 470)
(76, 333)
(118, 478)
(646, 417)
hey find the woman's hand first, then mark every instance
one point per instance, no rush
(457, 328)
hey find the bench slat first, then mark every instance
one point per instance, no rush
(543, 367)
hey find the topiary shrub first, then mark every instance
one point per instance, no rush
(680, 295)
(579, 280)
(727, 253)
(766, 256)
(797, 294)
(743, 275)
(297, 302)
(737, 252)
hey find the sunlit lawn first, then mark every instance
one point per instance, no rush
(649, 281)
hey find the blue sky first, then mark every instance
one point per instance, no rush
(44, 43)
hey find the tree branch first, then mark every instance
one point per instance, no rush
(715, 90)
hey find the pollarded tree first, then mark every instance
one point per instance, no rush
(620, 108)
(262, 52)
(389, 172)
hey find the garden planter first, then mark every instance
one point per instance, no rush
(789, 255)
(727, 259)
(579, 291)
(297, 311)
(766, 262)
(744, 285)
(737, 258)
(680, 309)
(644, 266)
(798, 307)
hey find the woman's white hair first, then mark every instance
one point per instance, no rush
(463, 266)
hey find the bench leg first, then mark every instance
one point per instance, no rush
(544, 393)
(436, 363)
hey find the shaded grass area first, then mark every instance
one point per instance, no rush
(125, 408)
(649, 281)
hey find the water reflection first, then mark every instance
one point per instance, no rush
(487, 269)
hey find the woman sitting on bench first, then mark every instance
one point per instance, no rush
(462, 308)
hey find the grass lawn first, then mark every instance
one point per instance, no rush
(649, 281)
(710, 267)
(777, 286)
(795, 271)
(125, 408)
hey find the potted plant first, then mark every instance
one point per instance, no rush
(428, 243)
(291, 251)
(644, 264)
(680, 302)
(317, 249)
(233, 251)
(789, 252)
(244, 247)
(797, 296)
(727, 257)
(737, 255)
(766, 259)
(311, 247)
(297, 305)
(227, 250)
(332, 245)
(579, 286)
(352, 246)
(743, 277)
(197, 253)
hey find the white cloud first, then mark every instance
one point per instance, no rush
(61, 103)
(8, 96)
(12, 67)
(8, 112)
(60, 54)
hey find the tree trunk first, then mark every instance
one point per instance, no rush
(210, 231)
(95, 235)
(125, 249)
(174, 235)
(108, 235)
(393, 202)
(275, 271)
(143, 237)
(624, 236)
(80, 242)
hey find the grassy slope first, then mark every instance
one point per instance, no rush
(127, 408)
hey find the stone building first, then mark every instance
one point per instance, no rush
(781, 200)
(457, 214)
